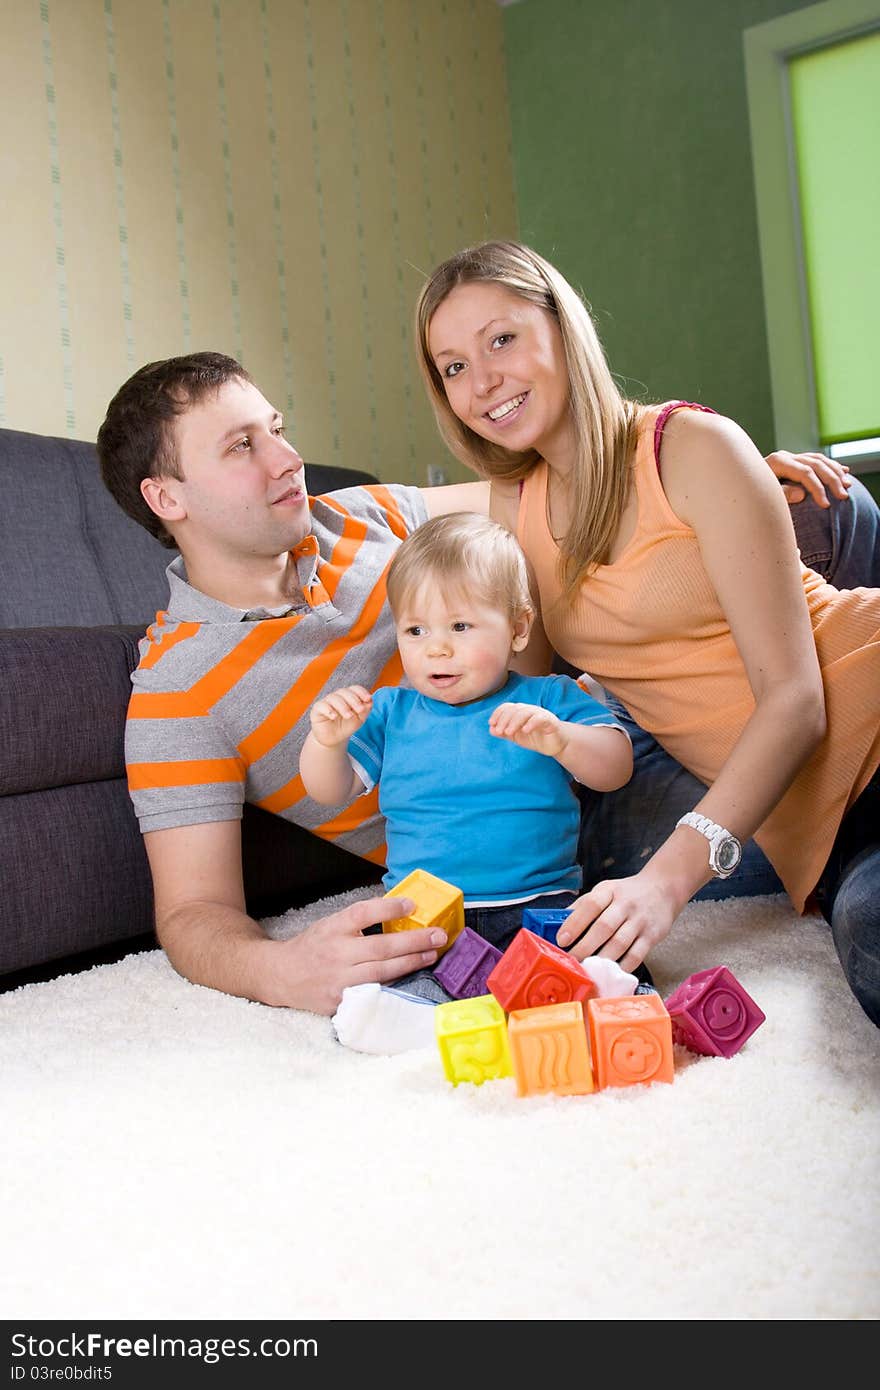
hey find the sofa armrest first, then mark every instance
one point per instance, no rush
(64, 693)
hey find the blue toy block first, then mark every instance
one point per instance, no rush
(545, 921)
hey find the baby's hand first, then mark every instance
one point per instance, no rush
(335, 718)
(530, 726)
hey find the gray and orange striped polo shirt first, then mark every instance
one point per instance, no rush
(220, 702)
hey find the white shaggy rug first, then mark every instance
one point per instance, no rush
(169, 1152)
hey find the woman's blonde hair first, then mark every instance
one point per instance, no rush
(462, 552)
(603, 420)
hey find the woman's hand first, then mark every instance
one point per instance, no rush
(810, 473)
(622, 918)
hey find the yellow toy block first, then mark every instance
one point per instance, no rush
(438, 904)
(549, 1049)
(472, 1037)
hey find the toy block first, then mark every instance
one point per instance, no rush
(545, 921)
(472, 1037)
(631, 1040)
(533, 972)
(712, 1014)
(549, 1050)
(438, 904)
(465, 967)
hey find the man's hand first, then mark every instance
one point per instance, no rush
(531, 727)
(340, 714)
(203, 926)
(311, 970)
(810, 473)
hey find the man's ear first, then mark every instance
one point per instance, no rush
(522, 626)
(160, 495)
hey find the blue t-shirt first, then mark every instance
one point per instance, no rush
(499, 821)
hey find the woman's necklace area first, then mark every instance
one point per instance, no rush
(556, 505)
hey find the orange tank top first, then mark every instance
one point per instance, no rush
(650, 628)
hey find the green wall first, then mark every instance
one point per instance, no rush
(633, 174)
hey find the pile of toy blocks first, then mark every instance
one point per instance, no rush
(532, 1012)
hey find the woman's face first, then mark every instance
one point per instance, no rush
(502, 363)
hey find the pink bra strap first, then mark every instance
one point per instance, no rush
(664, 416)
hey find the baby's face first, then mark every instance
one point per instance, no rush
(454, 648)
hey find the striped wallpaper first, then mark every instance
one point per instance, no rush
(267, 178)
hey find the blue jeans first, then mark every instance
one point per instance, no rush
(620, 830)
(842, 542)
(849, 897)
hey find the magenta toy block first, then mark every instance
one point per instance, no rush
(466, 967)
(545, 921)
(533, 972)
(712, 1014)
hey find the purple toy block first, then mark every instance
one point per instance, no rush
(712, 1014)
(545, 921)
(466, 966)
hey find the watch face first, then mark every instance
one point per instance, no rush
(728, 855)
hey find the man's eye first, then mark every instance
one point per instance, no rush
(242, 445)
(279, 429)
(453, 369)
(502, 339)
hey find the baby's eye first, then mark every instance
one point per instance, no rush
(461, 626)
(502, 339)
(414, 630)
(453, 369)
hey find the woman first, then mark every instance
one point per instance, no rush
(668, 569)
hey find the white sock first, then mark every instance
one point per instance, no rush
(383, 1021)
(611, 981)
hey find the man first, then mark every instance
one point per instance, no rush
(269, 601)
(274, 597)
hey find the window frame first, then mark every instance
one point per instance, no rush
(767, 48)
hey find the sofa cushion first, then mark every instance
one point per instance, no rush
(63, 692)
(69, 556)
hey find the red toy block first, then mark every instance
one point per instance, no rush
(631, 1040)
(712, 1014)
(533, 972)
(549, 1050)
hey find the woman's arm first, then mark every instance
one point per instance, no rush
(717, 482)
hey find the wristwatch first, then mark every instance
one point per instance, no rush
(725, 850)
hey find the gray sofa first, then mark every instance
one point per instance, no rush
(79, 583)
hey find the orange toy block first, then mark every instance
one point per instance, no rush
(631, 1040)
(549, 1051)
(533, 972)
(438, 904)
(472, 1038)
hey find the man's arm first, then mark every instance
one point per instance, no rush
(203, 926)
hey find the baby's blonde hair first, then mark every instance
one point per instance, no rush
(466, 553)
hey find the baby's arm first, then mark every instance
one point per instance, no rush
(327, 774)
(596, 755)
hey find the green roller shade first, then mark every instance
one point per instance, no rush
(835, 103)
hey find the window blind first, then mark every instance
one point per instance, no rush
(835, 105)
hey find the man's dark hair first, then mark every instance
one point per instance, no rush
(136, 440)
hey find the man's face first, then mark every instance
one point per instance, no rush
(243, 489)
